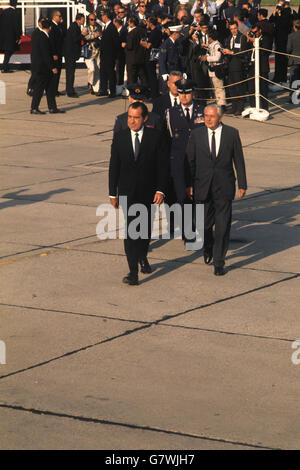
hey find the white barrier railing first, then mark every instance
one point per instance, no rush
(71, 7)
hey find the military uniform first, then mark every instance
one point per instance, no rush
(179, 130)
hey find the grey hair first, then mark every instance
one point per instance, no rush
(176, 73)
(215, 106)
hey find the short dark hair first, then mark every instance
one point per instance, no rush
(46, 24)
(134, 20)
(233, 23)
(212, 34)
(79, 16)
(263, 12)
(138, 104)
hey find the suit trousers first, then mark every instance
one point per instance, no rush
(44, 82)
(152, 79)
(58, 65)
(218, 213)
(120, 69)
(107, 75)
(7, 56)
(136, 250)
(135, 71)
(236, 90)
(70, 75)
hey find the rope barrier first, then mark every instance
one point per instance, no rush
(227, 86)
(277, 52)
(278, 106)
(277, 84)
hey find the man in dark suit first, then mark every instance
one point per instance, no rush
(169, 99)
(43, 68)
(212, 152)
(138, 170)
(10, 33)
(235, 44)
(109, 49)
(293, 48)
(121, 60)
(135, 53)
(72, 51)
(137, 92)
(56, 37)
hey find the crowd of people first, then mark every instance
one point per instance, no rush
(130, 41)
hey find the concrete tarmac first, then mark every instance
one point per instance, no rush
(185, 360)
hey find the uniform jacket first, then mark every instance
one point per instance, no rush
(169, 58)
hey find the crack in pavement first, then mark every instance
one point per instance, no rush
(149, 325)
(138, 427)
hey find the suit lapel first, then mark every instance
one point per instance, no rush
(129, 144)
(222, 143)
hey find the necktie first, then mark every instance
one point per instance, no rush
(175, 102)
(137, 146)
(213, 147)
(187, 115)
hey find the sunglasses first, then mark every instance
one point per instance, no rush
(92, 20)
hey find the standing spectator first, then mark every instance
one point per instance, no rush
(11, 33)
(282, 19)
(121, 58)
(135, 53)
(198, 67)
(56, 36)
(264, 67)
(110, 46)
(42, 65)
(72, 51)
(208, 7)
(293, 47)
(92, 35)
(234, 46)
(242, 26)
(123, 16)
(214, 58)
(31, 81)
(141, 14)
(231, 10)
(267, 28)
(152, 45)
(169, 58)
(161, 8)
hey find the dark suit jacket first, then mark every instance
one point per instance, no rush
(56, 36)
(110, 43)
(41, 54)
(72, 44)
(161, 104)
(138, 180)
(236, 62)
(203, 169)
(135, 53)
(10, 30)
(154, 121)
(293, 47)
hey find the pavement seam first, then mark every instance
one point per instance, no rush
(147, 325)
(139, 427)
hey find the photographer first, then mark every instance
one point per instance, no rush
(214, 58)
(264, 68)
(92, 35)
(235, 44)
(282, 19)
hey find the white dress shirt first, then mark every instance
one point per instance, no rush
(190, 108)
(218, 133)
(173, 98)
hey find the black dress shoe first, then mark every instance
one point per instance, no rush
(219, 271)
(131, 279)
(207, 256)
(56, 111)
(73, 95)
(145, 266)
(59, 93)
(102, 93)
(112, 95)
(29, 92)
(36, 111)
(7, 71)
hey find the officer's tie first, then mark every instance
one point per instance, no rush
(175, 102)
(213, 147)
(137, 146)
(187, 115)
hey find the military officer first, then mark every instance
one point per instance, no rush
(180, 120)
(137, 92)
(169, 57)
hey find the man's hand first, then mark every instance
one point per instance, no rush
(241, 193)
(55, 71)
(203, 58)
(227, 51)
(55, 57)
(114, 202)
(189, 192)
(158, 199)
